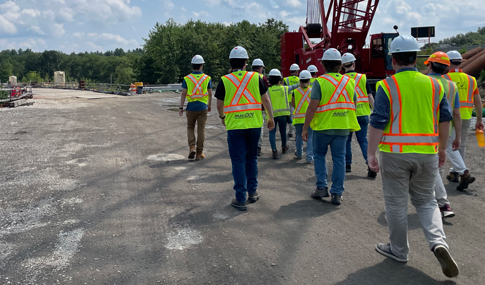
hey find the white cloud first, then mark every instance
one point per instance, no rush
(37, 30)
(6, 27)
(293, 3)
(200, 14)
(284, 14)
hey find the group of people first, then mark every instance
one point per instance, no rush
(409, 123)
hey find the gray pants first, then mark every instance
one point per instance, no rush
(291, 128)
(465, 125)
(413, 174)
(440, 190)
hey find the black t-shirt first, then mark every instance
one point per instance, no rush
(221, 90)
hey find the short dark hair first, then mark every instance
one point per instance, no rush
(348, 65)
(438, 67)
(313, 73)
(405, 58)
(274, 80)
(237, 63)
(304, 80)
(332, 66)
(196, 66)
(455, 61)
(256, 67)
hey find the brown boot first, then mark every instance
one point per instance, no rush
(465, 180)
(192, 152)
(200, 155)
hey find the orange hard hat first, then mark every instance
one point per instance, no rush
(439, 57)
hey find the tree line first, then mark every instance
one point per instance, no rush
(164, 58)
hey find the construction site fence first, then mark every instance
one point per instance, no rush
(109, 88)
(15, 93)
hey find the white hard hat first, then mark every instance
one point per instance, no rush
(305, 74)
(312, 68)
(332, 54)
(197, 59)
(294, 67)
(348, 57)
(454, 55)
(404, 43)
(275, 72)
(258, 62)
(239, 52)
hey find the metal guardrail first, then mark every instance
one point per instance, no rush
(16, 93)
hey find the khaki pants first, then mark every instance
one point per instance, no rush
(404, 175)
(199, 117)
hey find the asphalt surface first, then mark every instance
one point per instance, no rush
(98, 190)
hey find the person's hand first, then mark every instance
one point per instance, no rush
(479, 126)
(304, 134)
(181, 112)
(209, 109)
(373, 163)
(456, 144)
(441, 157)
(270, 124)
(223, 122)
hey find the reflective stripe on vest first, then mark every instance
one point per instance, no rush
(305, 98)
(395, 138)
(241, 91)
(361, 97)
(469, 100)
(340, 90)
(197, 90)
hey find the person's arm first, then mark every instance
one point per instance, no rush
(371, 100)
(182, 101)
(220, 95)
(375, 137)
(209, 103)
(220, 110)
(293, 101)
(444, 129)
(269, 110)
(310, 113)
(478, 110)
(293, 87)
(457, 125)
(378, 121)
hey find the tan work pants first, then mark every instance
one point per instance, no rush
(199, 117)
(404, 175)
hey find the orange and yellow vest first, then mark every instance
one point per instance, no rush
(336, 109)
(467, 87)
(242, 101)
(302, 100)
(414, 113)
(363, 107)
(197, 87)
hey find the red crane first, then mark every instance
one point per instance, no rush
(351, 20)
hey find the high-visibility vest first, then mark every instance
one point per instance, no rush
(279, 100)
(242, 101)
(292, 80)
(336, 109)
(363, 107)
(197, 87)
(450, 89)
(414, 113)
(313, 79)
(302, 100)
(467, 87)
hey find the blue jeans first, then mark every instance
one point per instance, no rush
(280, 122)
(299, 142)
(361, 139)
(321, 142)
(243, 149)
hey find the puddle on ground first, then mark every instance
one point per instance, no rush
(165, 157)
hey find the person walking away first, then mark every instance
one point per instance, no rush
(437, 64)
(331, 116)
(300, 101)
(280, 100)
(239, 98)
(197, 88)
(258, 66)
(410, 125)
(469, 98)
(313, 71)
(365, 102)
(292, 80)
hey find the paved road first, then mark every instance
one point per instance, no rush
(99, 192)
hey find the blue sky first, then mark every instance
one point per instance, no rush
(91, 25)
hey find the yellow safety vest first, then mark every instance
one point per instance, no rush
(313, 79)
(467, 87)
(337, 108)
(279, 100)
(450, 89)
(363, 107)
(242, 102)
(414, 113)
(197, 87)
(292, 80)
(302, 100)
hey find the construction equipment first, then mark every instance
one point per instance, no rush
(351, 20)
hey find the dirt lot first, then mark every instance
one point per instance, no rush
(97, 190)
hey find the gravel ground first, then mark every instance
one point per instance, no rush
(97, 190)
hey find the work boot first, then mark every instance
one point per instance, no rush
(448, 264)
(200, 155)
(239, 205)
(290, 135)
(253, 197)
(348, 168)
(320, 192)
(192, 152)
(453, 176)
(465, 180)
(336, 199)
(275, 154)
(370, 173)
(259, 151)
(446, 211)
(285, 149)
